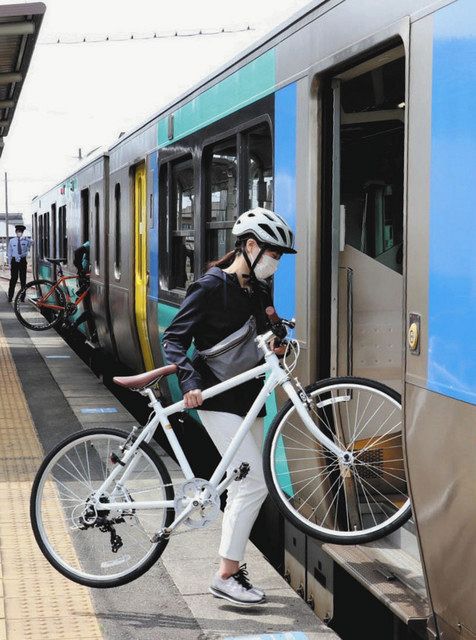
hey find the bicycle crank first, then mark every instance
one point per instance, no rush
(204, 500)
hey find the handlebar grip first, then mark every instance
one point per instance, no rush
(277, 325)
(272, 315)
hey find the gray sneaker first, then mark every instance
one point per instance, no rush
(237, 589)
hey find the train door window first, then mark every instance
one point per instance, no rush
(222, 210)
(372, 134)
(63, 234)
(260, 167)
(84, 215)
(181, 216)
(97, 235)
(54, 249)
(117, 246)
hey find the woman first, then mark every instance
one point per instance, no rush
(215, 306)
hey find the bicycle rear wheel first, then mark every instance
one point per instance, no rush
(333, 499)
(35, 313)
(99, 548)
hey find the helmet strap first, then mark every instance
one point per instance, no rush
(251, 275)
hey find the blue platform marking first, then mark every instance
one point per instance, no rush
(99, 410)
(452, 260)
(57, 357)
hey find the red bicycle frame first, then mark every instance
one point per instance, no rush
(41, 302)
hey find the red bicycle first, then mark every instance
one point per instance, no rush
(43, 304)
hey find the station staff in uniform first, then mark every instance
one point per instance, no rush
(17, 253)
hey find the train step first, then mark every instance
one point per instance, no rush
(393, 576)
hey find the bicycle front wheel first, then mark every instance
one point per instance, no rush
(99, 547)
(357, 497)
(36, 311)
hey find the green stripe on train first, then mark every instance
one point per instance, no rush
(250, 83)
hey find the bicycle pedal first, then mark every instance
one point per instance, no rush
(160, 536)
(242, 471)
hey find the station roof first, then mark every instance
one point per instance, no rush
(19, 26)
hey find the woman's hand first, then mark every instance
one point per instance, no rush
(278, 350)
(193, 399)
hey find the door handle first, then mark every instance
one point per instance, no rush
(147, 279)
(350, 321)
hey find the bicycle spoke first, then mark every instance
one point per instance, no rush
(350, 496)
(81, 536)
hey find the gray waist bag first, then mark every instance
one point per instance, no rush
(235, 354)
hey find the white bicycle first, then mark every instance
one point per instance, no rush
(103, 505)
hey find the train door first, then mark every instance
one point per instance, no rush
(140, 263)
(367, 219)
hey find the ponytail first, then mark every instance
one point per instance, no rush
(223, 262)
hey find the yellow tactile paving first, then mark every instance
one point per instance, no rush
(36, 602)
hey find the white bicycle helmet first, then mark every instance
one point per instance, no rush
(267, 227)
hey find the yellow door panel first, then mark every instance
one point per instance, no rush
(140, 264)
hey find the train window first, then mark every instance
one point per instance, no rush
(54, 248)
(260, 168)
(35, 235)
(97, 236)
(182, 225)
(62, 234)
(117, 257)
(222, 210)
(39, 239)
(46, 235)
(84, 215)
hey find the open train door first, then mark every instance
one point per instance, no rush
(367, 220)
(140, 264)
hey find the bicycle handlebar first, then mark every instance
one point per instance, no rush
(278, 325)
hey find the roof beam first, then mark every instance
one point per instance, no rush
(16, 28)
(8, 78)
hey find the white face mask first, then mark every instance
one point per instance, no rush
(19, 234)
(266, 266)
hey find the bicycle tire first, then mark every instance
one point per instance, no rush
(285, 495)
(38, 525)
(60, 299)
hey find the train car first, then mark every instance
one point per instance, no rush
(354, 120)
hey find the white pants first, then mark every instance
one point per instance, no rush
(246, 496)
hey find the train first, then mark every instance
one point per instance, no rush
(354, 120)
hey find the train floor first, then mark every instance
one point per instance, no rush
(47, 393)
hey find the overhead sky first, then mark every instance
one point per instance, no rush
(83, 95)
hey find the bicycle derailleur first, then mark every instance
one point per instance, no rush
(102, 520)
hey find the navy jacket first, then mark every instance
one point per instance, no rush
(215, 306)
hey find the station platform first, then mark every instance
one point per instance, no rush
(47, 393)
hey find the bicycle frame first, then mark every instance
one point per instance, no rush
(276, 376)
(41, 303)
